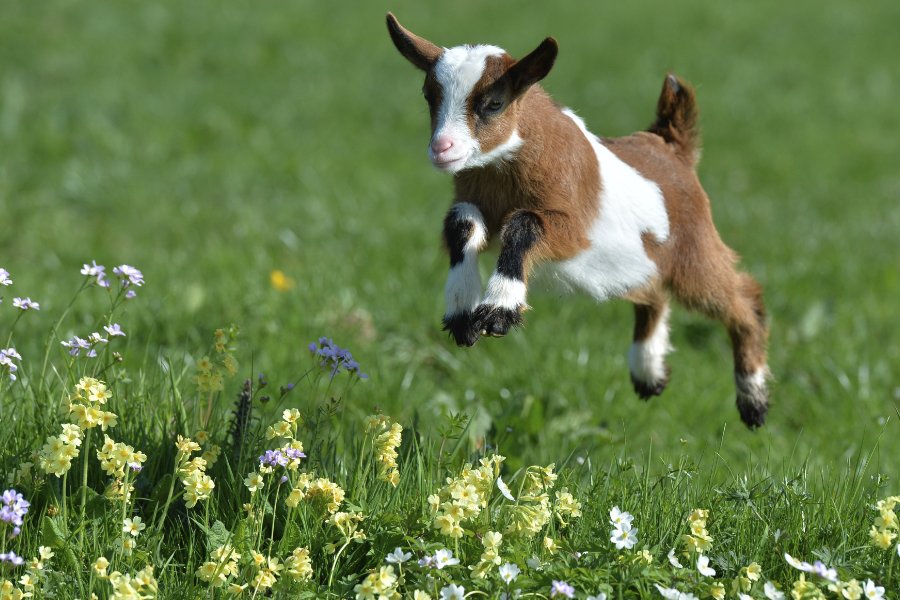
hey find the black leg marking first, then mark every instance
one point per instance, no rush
(646, 390)
(520, 235)
(495, 321)
(463, 329)
(457, 233)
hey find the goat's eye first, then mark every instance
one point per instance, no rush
(495, 105)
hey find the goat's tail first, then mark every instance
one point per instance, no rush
(676, 119)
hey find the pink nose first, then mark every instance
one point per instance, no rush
(441, 144)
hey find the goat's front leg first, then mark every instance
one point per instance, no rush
(465, 234)
(504, 300)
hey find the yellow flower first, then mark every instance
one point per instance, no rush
(236, 590)
(292, 415)
(231, 365)
(280, 281)
(445, 523)
(754, 571)
(254, 481)
(492, 539)
(881, 537)
(99, 394)
(186, 445)
(550, 545)
(717, 591)
(108, 419)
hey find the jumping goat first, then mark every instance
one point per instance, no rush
(614, 217)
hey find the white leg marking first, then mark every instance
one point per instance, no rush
(630, 205)
(463, 290)
(752, 387)
(646, 360)
(505, 292)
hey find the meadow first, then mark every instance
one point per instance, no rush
(264, 166)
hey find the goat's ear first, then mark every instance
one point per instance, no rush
(418, 51)
(533, 67)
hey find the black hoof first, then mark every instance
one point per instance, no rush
(462, 327)
(494, 321)
(646, 390)
(752, 400)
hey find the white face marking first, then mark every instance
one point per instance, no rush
(646, 360)
(458, 70)
(630, 205)
(463, 290)
(505, 292)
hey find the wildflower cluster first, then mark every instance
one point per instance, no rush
(884, 530)
(821, 576)
(347, 523)
(385, 446)
(57, 454)
(209, 377)
(192, 471)
(142, 586)
(26, 304)
(86, 406)
(6, 357)
(698, 540)
(324, 495)
(76, 344)
(531, 511)
(623, 534)
(378, 584)
(12, 509)
(464, 497)
(290, 454)
(334, 358)
(115, 456)
(223, 565)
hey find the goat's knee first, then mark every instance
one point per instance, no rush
(465, 234)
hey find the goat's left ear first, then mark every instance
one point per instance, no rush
(533, 67)
(419, 51)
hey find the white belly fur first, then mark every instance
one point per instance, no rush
(629, 206)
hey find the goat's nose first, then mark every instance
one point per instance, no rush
(441, 144)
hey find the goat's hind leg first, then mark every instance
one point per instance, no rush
(646, 356)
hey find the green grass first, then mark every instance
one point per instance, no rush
(211, 143)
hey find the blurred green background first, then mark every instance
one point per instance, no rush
(211, 143)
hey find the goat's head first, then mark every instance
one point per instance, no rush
(473, 95)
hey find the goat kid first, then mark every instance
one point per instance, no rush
(614, 217)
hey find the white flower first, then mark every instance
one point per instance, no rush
(744, 597)
(624, 538)
(619, 518)
(508, 572)
(688, 596)
(704, 568)
(772, 592)
(453, 592)
(398, 556)
(444, 558)
(513, 596)
(873, 592)
(803, 566)
(668, 593)
(599, 596)
(674, 561)
(504, 489)
(534, 563)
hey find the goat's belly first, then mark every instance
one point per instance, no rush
(629, 206)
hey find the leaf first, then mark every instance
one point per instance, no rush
(242, 535)
(53, 533)
(96, 506)
(217, 536)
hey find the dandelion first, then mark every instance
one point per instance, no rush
(398, 556)
(453, 592)
(508, 572)
(704, 568)
(561, 588)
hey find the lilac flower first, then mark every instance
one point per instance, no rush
(129, 275)
(6, 357)
(13, 507)
(98, 271)
(562, 588)
(12, 559)
(4, 277)
(114, 330)
(26, 304)
(96, 338)
(292, 453)
(274, 458)
(136, 467)
(824, 572)
(130, 294)
(335, 358)
(284, 479)
(76, 345)
(427, 562)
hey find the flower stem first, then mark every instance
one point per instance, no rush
(87, 449)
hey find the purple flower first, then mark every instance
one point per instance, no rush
(13, 507)
(136, 467)
(427, 562)
(283, 478)
(274, 458)
(313, 347)
(129, 275)
(12, 558)
(562, 588)
(824, 572)
(293, 453)
(335, 358)
(4, 277)
(98, 271)
(6, 357)
(130, 294)
(114, 331)
(26, 304)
